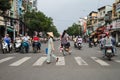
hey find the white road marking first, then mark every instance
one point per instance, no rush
(117, 61)
(80, 61)
(6, 59)
(40, 61)
(61, 61)
(101, 62)
(19, 62)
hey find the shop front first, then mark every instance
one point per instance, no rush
(116, 30)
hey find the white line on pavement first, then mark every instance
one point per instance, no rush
(19, 62)
(6, 59)
(80, 61)
(61, 61)
(101, 62)
(40, 61)
(117, 61)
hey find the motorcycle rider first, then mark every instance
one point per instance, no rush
(79, 40)
(26, 39)
(108, 43)
(7, 39)
(18, 39)
(64, 40)
(36, 39)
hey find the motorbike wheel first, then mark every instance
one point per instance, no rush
(109, 56)
(26, 49)
(4, 51)
(22, 49)
(35, 49)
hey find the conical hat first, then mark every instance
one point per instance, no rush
(50, 34)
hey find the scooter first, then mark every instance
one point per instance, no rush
(90, 44)
(5, 48)
(79, 45)
(65, 50)
(17, 45)
(109, 52)
(36, 47)
(24, 47)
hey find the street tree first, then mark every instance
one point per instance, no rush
(4, 6)
(38, 21)
(75, 29)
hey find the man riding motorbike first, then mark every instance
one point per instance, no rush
(18, 42)
(26, 42)
(7, 39)
(108, 44)
(79, 42)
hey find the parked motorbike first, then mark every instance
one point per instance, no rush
(109, 52)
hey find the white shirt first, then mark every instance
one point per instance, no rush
(26, 38)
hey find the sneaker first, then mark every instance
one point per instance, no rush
(57, 59)
(48, 62)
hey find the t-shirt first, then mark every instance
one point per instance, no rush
(35, 38)
(79, 40)
(64, 40)
(7, 40)
(108, 41)
(26, 38)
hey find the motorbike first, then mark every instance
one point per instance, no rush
(109, 52)
(5, 48)
(65, 50)
(17, 45)
(78, 45)
(95, 44)
(36, 47)
(24, 47)
(90, 44)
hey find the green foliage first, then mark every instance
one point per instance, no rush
(4, 5)
(75, 29)
(38, 21)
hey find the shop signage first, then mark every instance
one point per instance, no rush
(118, 23)
(118, 7)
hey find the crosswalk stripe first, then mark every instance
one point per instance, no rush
(61, 61)
(80, 61)
(19, 62)
(101, 62)
(6, 59)
(117, 61)
(40, 61)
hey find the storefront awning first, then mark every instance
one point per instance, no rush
(10, 29)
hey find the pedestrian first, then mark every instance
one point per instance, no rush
(51, 48)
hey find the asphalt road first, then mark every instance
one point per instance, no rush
(85, 64)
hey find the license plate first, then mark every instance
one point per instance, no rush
(109, 51)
